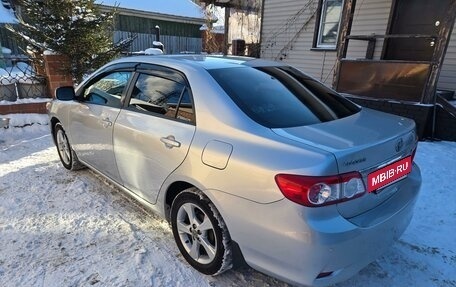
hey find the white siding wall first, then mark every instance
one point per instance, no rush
(447, 80)
(276, 35)
(371, 16)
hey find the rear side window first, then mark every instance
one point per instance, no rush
(160, 96)
(281, 97)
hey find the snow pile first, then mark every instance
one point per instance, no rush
(215, 29)
(26, 101)
(21, 120)
(49, 52)
(6, 51)
(7, 15)
(153, 51)
(36, 124)
(61, 228)
(184, 8)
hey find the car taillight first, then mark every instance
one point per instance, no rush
(314, 191)
(416, 146)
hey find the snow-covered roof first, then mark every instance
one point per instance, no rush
(215, 29)
(183, 8)
(7, 15)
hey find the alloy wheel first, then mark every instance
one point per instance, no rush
(63, 147)
(196, 233)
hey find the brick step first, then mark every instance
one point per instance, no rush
(24, 108)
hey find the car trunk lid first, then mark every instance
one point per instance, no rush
(363, 142)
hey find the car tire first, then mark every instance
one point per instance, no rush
(200, 232)
(66, 153)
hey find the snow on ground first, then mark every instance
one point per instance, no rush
(25, 101)
(62, 228)
(16, 133)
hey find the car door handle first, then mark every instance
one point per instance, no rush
(106, 122)
(84, 108)
(170, 142)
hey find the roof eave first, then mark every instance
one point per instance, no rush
(155, 15)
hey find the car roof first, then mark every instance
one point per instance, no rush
(207, 62)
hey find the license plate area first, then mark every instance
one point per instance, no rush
(389, 174)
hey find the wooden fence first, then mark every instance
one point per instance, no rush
(173, 44)
(8, 40)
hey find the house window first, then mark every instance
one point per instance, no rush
(328, 23)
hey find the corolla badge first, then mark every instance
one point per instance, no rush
(355, 161)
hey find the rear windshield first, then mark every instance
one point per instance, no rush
(281, 97)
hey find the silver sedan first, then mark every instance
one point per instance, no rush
(250, 161)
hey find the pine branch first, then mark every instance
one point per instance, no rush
(76, 28)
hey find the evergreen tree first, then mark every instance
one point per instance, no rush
(75, 28)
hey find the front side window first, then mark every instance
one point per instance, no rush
(328, 23)
(281, 97)
(160, 96)
(107, 90)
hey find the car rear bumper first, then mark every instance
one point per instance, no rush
(297, 244)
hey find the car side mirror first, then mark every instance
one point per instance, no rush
(65, 93)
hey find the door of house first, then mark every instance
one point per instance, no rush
(425, 17)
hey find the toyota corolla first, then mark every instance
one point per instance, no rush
(249, 160)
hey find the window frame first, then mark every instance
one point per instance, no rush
(165, 73)
(320, 13)
(80, 93)
(123, 67)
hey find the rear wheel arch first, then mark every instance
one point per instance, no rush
(177, 187)
(172, 191)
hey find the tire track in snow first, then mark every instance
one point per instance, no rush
(60, 228)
